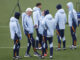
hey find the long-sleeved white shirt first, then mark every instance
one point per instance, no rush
(61, 18)
(15, 28)
(27, 23)
(49, 24)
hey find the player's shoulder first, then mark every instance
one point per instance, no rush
(23, 14)
(48, 16)
(57, 13)
(12, 18)
(74, 12)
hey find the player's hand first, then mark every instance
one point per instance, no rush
(67, 23)
(20, 38)
(35, 26)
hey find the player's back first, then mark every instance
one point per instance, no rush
(50, 23)
(61, 19)
(12, 26)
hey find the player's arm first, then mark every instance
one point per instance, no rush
(54, 23)
(69, 19)
(23, 17)
(25, 24)
(76, 20)
(43, 23)
(18, 31)
(56, 18)
(65, 19)
(35, 18)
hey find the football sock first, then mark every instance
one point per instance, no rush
(64, 43)
(28, 48)
(74, 42)
(37, 41)
(51, 51)
(14, 52)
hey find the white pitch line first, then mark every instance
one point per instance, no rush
(26, 47)
(10, 47)
(4, 26)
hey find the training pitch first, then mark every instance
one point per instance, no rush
(6, 44)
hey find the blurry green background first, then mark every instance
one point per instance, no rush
(6, 7)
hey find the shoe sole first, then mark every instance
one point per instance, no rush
(51, 58)
(42, 57)
(64, 49)
(27, 56)
(58, 49)
(35, 55)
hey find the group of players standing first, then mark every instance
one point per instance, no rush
(45, 26)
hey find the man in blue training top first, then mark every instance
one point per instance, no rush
(61, 19)
(28, 28)
(73, 23)
(15, 34)
(49, 27)
(36, 18)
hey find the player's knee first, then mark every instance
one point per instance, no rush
(59, 40)
(51, 45)
(44, 45)
(63, 38)
(14, 47)
(29, 44)
(37, 38)
(62, 35)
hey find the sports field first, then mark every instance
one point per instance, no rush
(6, 44)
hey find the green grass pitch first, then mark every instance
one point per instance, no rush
(6, 7)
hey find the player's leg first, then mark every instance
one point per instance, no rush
(43, 46)
(43, 49)
(71, 36)
(59, 39)
(74, 39)
(50, 39)
(28, 45)
(33, 45)
(45, 39)
(33, 42)
(46, 46)
(63, 38)
(16, 47)
(37, 38)
(40, 41)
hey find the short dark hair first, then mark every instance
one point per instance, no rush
(46, 12)
(59, 6)
(38, 4)
(17, 15)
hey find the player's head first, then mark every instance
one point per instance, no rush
(29, 11)
(39, 5)
(59, 6)
(70, 6)
(43, 13)
(46, 12)
(17, 15)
